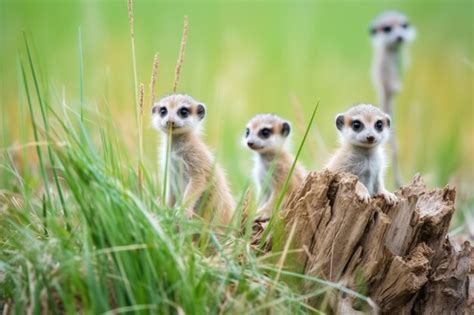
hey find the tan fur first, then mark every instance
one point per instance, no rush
(272, 156)
(193, 174)
(356, 155)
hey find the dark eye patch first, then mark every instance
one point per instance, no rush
(183, 112)
(163, 111)
(247, 132)
(387, 29)
(357, 125)
(265, 133)
(379, 125)
(405, 25)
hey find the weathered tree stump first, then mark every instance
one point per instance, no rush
(402, 253)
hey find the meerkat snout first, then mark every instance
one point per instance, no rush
(391, 29)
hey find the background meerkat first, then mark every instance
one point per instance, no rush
(266, 135)
(363, 129)
(193, 173)
(389, 31)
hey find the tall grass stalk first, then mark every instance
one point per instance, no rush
(43, 107)
(137, 94)
(179, 66)
(180, 62)
(154, 75)
(35, 134)
(140, 133)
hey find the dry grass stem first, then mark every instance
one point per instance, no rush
(154, 74)
(130, 18)
(179, 64)
(140, 99)
(140, 134)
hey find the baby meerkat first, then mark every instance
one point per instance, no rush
(193, 174)
(363, 129)
(389, 32)
(266, 135)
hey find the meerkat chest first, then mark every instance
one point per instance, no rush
(367, 169)
(178, 171)
(263, 179)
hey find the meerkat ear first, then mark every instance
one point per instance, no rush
(154, 109)
(340, 121)
(285, 129)
(388, 121)
(201, 111)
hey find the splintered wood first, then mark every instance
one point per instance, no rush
(400, 254)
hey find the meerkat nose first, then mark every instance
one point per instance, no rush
(399, 39)
(370, 139)
(170, 123)
(251, 144)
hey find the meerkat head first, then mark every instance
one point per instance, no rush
(178, 113)
(391, 29)
(266, 133)
(363, 126)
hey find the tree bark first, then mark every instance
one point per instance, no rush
(402, 253)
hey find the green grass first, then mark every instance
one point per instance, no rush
(80, 230)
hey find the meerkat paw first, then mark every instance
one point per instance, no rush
(362, 192)
(364, 197)
(389, 197)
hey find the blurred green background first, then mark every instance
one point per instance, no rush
(244, 58)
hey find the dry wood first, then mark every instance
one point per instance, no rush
(400, 254)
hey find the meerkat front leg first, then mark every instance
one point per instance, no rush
(389, 197)
(266, 210)
(362, 192)
(196, 187)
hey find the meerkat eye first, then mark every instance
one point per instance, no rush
(379, 125)
(264, 133)
(357, 125)
(183, 112)
(163, 111)
(247, 132)
(405, 25)
(387, 29)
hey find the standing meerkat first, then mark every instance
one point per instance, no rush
(193, 174)
(363, 129)
(266, 135)
(389, 32)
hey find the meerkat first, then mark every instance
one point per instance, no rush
(266, 135)
(363, 129)
(389, 32)
(193, 173)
